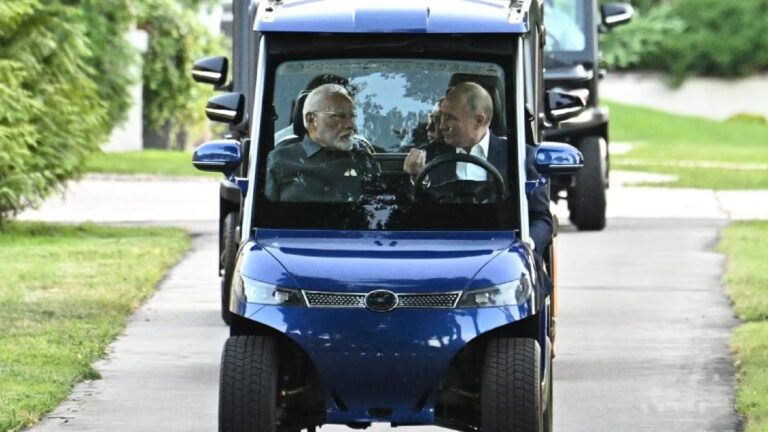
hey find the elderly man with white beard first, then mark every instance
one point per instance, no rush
(326, 166)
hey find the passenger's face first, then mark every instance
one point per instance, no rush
(433, 126)
(334, 126)
(459, 126)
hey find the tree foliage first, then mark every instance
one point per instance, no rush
(684, 37)
(65, 74)
(50, 114)
(718, 38)
(176, 40)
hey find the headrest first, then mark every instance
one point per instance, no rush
(297, 117)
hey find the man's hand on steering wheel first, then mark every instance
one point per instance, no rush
(461, 190)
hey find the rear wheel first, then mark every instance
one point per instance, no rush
(248, 385)
(510, 394)
(586, 199)
(228, 255)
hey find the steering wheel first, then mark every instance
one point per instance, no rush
(462, 191)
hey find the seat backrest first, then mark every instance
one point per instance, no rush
(297, 116)
(491, 84)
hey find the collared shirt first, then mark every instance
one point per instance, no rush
(304, 171)
(465, 171)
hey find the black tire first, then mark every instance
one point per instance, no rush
(228, 254)
(510, 394)
(248, 385)
(586, 199)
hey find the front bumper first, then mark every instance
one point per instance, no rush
(381, 367)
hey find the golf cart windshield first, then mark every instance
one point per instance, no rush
(342, 129)
(565, 21)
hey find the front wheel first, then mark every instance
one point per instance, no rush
(510, 394)
(248, 385)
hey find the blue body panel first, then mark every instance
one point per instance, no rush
(392, 360)
(394, 16)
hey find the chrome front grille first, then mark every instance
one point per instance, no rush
(441, 300)
(327, 299)
(357, 300)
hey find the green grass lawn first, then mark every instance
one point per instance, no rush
(159, 162)
(747, 284)
(659, 138)
(65, 294)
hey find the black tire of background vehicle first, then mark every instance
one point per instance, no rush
(586, 199)
(248, 385)
(510, 393)
(228, 255)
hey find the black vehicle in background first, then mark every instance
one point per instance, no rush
(572, 60)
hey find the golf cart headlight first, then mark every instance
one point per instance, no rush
(269, 294)
(509, 294)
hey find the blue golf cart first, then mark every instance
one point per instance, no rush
(416, 303)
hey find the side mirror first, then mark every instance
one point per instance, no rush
(562, 105)
(222, 156)
(616, 14)
(557, 158)
(211, 70)
(226, 108)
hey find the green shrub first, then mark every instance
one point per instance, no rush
(684, 37)
(64, 80)
(627, 46)
(50, 114)
(720, 38)
(176, 40)
(107, 22)
(749, 118)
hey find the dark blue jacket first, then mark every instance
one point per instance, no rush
(540, 218)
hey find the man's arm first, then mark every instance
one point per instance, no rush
(539, 216)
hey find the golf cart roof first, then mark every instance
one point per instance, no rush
(394, 16)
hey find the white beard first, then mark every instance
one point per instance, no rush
(342, 144)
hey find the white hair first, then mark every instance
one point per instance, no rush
(318, 98)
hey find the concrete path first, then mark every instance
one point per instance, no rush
(162, 374)
(132, 199)
(713, 98)
(643, 331)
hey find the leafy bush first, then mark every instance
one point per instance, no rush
(51, 116)
(107, 23)
(719, 38)
(683, 37)
(628, 46)
(64, 69)
(749, 118)
(176, 40)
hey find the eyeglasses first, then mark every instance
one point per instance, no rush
(339, 115)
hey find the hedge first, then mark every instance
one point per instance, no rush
(51, 116)
(687, 37)
(64, 83)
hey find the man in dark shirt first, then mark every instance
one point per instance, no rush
(327, 165)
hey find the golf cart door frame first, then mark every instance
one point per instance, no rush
(520, 139)
(258, 99)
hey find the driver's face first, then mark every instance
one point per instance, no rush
(334, 126)
(459, 126)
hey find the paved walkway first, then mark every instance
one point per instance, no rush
(704, 97)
